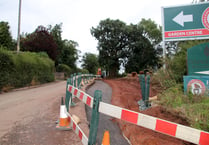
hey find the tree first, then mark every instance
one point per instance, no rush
(40, 40)
(111, 44)
(66, 49)
(141, 52)
(5, 35)
(68, 54)
(90, 62)
(151, 31)
(56, 32)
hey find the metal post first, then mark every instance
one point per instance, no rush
(94, 118)
(74, 80)
(147, 91)
(67, 97)
(79, 80)
(142, 84)
(71, 95)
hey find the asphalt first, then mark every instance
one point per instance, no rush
(105, 122)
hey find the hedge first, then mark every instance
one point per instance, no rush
(64, 68)
(24, 69)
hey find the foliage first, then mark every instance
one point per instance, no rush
(141, 52)
(112, 43)
(5, 36)
(151, 31)
(39, 41)
(66, 49)
(64, 68)
(68, 54)
(129, 45)
(84, 71)
(194, 108)
(90, 62)
(25, 68)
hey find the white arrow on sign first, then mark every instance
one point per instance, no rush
(203, 72)
(181, 18)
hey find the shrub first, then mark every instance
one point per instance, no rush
(24, 68)
(64, 68)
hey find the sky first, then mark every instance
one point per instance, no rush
(79, 16)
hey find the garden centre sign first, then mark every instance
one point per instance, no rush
(197, 81)
(198, 60)
(186, 22)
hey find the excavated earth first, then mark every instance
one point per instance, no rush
(126, 93)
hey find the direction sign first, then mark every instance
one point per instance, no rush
(186, 22)
(198, 60)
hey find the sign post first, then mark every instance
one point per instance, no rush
(186, 22)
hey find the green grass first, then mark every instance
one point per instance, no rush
(195, 108)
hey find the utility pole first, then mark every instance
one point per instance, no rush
(19, 20)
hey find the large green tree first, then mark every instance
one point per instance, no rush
(132, 46)
(112, 43)
(5, 35)
(90, 62)
(141, 51)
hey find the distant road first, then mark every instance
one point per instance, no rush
(21, 106)
(105, 122)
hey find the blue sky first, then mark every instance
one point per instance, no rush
(78, 16)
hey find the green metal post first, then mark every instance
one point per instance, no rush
(147, 90)
(94, 118)
(71, 95)
(142, 84)
(74, 80)
(79, 80)
(68, 94)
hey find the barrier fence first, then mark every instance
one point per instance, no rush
(77, 129)
(78, 81)
(156, 124)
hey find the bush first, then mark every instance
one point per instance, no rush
(24, 69)
(64, 68)
(195, 108)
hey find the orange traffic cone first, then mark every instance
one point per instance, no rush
(106, 138)
(64, 121)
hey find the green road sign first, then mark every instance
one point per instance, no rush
(198, 60)
(187, 22)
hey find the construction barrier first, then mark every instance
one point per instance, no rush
(159, 125)
(77, 130)
(67, 122)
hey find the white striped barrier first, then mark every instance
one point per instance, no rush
(77, 129)
(159, 125)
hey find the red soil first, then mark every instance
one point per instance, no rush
(126, 93)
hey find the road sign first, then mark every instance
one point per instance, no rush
(186, 22)
(198, 60)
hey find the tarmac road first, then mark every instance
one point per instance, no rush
(105, 122)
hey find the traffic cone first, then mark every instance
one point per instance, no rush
(106, 138)
(64, 121)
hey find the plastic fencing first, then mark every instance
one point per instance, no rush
(159, 125)
(77, 129)
(77, 81)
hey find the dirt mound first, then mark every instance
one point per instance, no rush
(126, 93)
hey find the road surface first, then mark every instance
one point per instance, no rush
(28, 116)
(105, 122)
